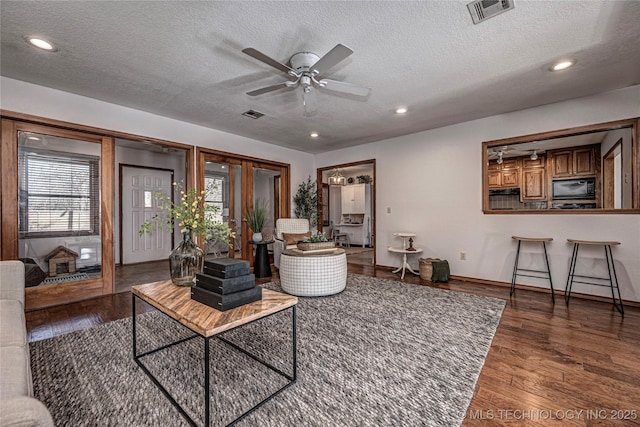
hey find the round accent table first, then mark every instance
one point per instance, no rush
(405, 265)
(313, 275)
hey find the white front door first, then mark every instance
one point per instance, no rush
(138, 205)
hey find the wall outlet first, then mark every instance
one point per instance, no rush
(388, 210)
(463, 256)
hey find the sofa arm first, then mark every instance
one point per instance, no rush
(24, 411)
(12, 280)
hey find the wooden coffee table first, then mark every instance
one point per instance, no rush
(207, 323)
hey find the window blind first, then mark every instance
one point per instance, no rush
(59, 194)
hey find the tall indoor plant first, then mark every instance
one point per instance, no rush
(194, 216)
(256, 218)
(306, 201)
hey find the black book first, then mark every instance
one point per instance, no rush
(225, 286)
(226, 267)
(226, 302)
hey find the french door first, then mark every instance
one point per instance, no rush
(234, 183)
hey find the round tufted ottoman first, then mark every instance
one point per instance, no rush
(313, 275)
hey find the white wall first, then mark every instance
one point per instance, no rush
(439, 172)
(28, 98)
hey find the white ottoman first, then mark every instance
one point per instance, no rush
(313, 275)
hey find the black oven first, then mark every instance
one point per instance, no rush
(569, 189)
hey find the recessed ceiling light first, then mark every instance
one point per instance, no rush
(401, 110)
(222, 167)
(313, 134)
(562, 65)
(41, 43)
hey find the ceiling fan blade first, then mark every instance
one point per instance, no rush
(309, 102)
(331, 58)
(343, 87)
(268, 89)
(267, 60)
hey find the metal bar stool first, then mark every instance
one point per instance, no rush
(610, 268)
(547, 272)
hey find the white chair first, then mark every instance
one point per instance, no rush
(289, 226)
(340, 236)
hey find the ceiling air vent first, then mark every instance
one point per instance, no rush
(253, 114)
(481, 10)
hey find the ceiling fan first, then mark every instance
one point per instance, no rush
(498, 153)
(305, 70)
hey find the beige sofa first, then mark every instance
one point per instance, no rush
(18, 407)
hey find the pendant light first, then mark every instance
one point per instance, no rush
(337, 178)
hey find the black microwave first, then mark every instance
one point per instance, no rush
(579, 188)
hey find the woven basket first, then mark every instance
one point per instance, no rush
(426, 267)
(310, 246)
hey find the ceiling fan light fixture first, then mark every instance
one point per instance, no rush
(40, 43)
(563, 65)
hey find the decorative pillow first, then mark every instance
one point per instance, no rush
(293, 238)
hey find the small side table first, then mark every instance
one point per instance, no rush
(612, 279)
(405, 265)
(261, 267)
(546, 273)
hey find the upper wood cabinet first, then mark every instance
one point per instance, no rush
(504, 175)
(579, 161)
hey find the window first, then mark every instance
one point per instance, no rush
(214, 194)
(59, 194)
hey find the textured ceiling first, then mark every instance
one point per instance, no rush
(183, 60)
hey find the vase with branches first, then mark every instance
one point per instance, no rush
(193, 215)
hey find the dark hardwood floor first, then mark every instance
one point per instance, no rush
(548, 365)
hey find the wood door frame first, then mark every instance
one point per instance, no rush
(120, 212)
(319, 183)
(11, 122)
(247, 163)
(608, 176)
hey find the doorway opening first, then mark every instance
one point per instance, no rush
(144, 169)
(347, 196)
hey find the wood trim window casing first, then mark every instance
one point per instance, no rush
(11, 123)
(633, 123)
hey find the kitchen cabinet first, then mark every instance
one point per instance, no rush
(353, 199)
(581, 161)
(504, 175)
(356, 213)
(534, 183)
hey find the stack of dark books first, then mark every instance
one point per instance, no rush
(226, 283)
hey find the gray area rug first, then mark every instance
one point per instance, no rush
(381, 353)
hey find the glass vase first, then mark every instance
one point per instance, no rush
(185, 261)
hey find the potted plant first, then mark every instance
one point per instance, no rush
(194, 216)
(315, 242)
(306, 201)
(256, 217)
